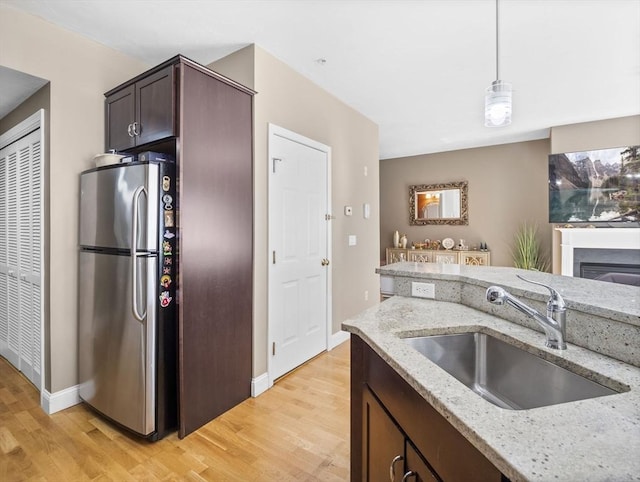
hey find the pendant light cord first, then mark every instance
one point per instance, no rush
(497, 43)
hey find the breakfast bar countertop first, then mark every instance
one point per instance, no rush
(621, 303)
(587, 440)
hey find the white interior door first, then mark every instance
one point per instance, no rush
(21, 248)
(299, 269)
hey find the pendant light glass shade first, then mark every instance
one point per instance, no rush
(497, 99)
(497, 104)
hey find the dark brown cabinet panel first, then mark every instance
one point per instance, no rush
(120, 110)
(155, 107)
(142, 112)
(215, 246)
(383, 442)
(416, 469)
(434, 449)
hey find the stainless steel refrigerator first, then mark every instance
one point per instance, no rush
(127, 295)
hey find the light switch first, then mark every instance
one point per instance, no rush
(366, 210)
(352, 240)
(348, 210)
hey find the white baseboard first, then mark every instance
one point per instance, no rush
(259, 384)
(338, 338)
(54, 402)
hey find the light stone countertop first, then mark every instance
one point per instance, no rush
(618, 302)
(587, 440)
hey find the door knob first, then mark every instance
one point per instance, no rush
(324, 262)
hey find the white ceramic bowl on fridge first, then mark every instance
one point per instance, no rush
(107, 159)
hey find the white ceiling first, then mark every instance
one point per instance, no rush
(418, 68)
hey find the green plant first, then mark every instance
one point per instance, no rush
(526, 253)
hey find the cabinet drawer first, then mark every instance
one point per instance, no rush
(474, 258)
(396, 255)
(446, 257)
(421, 256)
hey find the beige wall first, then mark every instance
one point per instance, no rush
(239, 66)
(507, 185)
(79, 71)
(620, 132)
(289, 100)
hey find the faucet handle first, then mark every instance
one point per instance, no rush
(555, 301)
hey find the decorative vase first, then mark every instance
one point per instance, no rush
(403, 241)
(396, 239)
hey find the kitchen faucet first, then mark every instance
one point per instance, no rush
(554, 324)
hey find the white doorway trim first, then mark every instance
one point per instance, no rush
(273, 131)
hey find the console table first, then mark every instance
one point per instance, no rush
(469, 258)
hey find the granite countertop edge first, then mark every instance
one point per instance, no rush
(585, 440)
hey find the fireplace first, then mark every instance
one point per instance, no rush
(598, 270)
(606, 254)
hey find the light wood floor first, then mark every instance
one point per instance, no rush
(296, 431)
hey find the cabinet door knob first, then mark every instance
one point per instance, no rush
(130, 130)
(136, 131)
(392, 468)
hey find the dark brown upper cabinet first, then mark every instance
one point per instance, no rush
(142, 112)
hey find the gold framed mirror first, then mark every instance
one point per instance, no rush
(438, 204)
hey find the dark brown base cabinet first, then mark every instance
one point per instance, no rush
(396, 435)
(204, 121)
(386, 448)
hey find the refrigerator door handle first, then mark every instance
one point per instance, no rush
(134, 254)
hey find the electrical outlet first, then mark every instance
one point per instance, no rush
(423, 290)
(366, 295)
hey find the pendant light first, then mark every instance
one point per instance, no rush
(497, 99)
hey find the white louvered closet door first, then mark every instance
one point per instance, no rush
(21, 255)
(4, 287)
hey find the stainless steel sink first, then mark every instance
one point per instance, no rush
(503, 374)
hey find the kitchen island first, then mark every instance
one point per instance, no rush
(592, 439)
